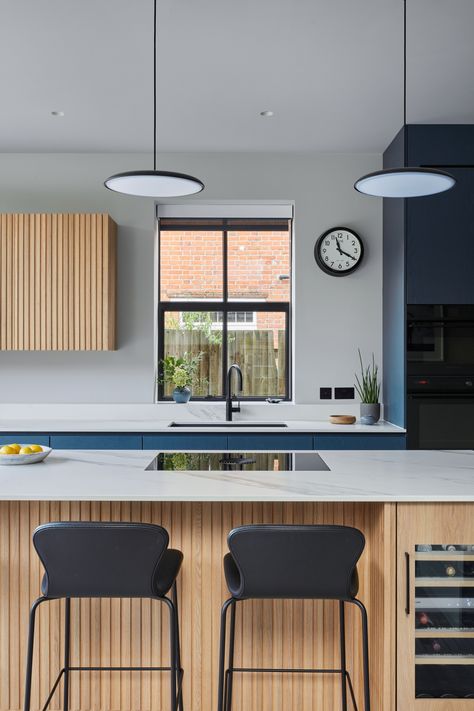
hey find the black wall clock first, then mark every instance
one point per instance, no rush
(339, 251)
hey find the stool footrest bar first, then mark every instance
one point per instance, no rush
(91, 669)
(252, 670)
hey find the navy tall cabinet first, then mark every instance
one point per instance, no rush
(428, 244)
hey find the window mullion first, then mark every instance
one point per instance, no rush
(225, 295)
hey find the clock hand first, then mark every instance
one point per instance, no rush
(339, 247)
(347, 255)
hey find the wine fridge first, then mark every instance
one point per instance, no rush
(444, 621)
(435, 636)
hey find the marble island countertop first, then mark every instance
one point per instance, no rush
(375, 476)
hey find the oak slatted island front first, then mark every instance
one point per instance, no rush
(369, 490)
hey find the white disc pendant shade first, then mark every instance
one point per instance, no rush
(405, 182)
(154, 183)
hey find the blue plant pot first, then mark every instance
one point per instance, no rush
(181, 395)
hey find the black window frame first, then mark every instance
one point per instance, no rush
(225, 306)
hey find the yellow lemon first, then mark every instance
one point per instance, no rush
(16, 447)
(36, 448)
(26, 450)
(8, 450)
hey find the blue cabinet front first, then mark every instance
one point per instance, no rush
(440, 247)
(249, 442)
(360, 441)
(185, 441)
(244, 441)
(96, 441)
(24, 438)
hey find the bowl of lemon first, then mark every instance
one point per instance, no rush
(23, 453)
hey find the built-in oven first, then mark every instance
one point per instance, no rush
(440, 376)
(440, 339)
(440, 412)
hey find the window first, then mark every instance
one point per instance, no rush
(225, 291)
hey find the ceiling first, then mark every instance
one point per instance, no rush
(331, 70)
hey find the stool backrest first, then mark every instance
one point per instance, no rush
(296, 561)
(100, 559)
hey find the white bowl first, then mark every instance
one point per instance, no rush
(8, 459)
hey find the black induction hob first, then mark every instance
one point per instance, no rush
(238, 461)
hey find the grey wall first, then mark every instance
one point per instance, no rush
(334, 316)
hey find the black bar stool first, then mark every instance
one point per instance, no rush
(88, 559)
(291, 562)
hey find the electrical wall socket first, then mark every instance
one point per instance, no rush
(344, 393)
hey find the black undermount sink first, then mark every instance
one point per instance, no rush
(227, 424)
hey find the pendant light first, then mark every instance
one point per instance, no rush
(405, 182)
(154, 183)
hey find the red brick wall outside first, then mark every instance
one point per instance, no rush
(191, 268)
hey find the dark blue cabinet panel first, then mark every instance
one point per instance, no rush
(96, 441)
(439, 227)
(185, 440)
(24, 438)
(440, 145)
(359, 441)
(252, 441)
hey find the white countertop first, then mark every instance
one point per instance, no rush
(120, 417)
(72, 425)
(354, 476)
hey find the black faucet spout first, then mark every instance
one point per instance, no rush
(229, 407)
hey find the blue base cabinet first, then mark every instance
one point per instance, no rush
(25, 438)
(186, 440)
(219, 441)
(359, 441)
(252, 441)
(96, 440)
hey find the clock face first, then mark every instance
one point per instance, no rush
(339, 251)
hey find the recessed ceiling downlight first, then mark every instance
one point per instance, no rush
(57, 113)
(267, 113)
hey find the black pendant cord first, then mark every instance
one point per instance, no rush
(154, 84)
(405, 139)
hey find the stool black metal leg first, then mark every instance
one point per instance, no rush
(178, 648)
(220, 692)
(29, 658)
(67, 646)
(365, 652)
(228, 699)
(342, 637)
(173, 654)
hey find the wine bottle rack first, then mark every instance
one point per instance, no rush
(444, 621)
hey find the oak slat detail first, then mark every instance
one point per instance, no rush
(57, 282)
(123, 631)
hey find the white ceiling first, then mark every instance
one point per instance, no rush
(330, 70)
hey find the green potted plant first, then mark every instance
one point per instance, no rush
(368, 389)
(182, 372)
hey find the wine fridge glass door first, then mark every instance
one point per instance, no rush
(444, 621)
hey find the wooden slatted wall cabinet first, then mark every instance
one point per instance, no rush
(57, 282)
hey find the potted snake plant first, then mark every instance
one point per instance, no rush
(368, 389)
